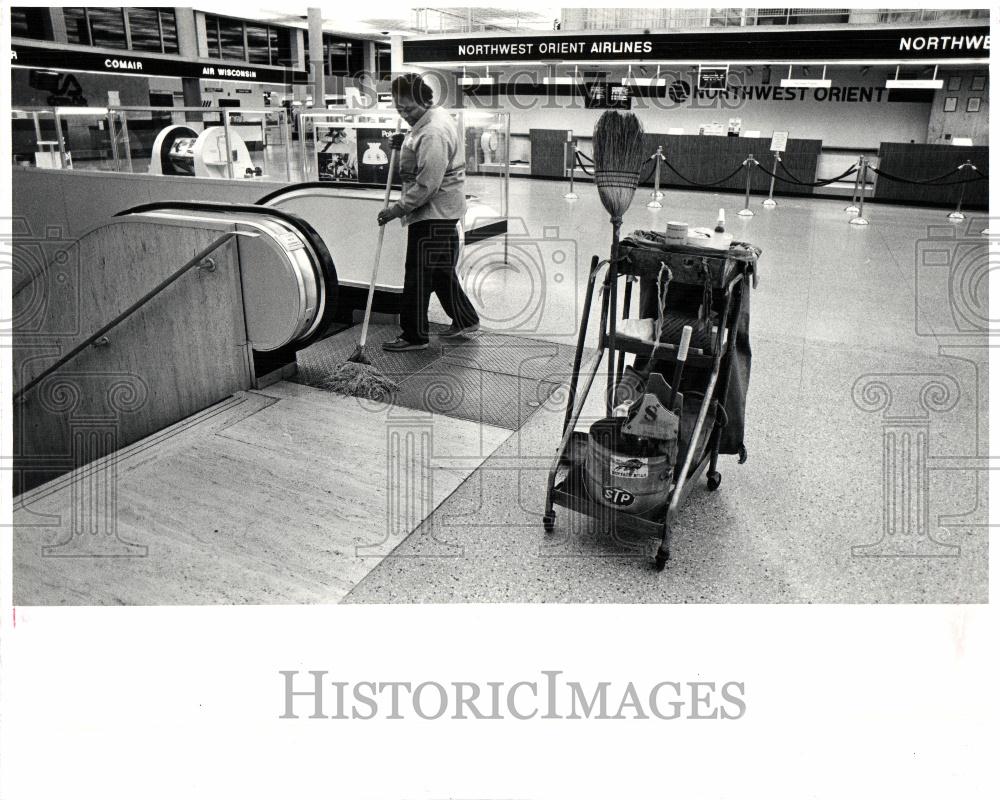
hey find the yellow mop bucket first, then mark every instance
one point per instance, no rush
(623, 474)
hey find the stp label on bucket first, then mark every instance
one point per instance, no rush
(618, 497)
(629, 467)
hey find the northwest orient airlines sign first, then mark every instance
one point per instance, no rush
(788, 44)
(135, 64)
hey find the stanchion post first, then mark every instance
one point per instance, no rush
(853, 207)
(860, 218)
(770, 203)
(570, 145)
(745, 211)
(957, 214)
(657, 195)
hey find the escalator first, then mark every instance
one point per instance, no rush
(161, 312)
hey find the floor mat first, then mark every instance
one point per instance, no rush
(490, 398)
(488, 378)
(317, 362)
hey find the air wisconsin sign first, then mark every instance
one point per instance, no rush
(727, 46)
(135, 64)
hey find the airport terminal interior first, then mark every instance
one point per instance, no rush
(731, 269)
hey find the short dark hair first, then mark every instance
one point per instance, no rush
(412, 85)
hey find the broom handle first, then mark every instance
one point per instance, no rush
(612, 317)
(378, 247)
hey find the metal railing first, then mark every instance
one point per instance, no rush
(201, 260)
(674, 18)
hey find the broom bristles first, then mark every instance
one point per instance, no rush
(618, 158)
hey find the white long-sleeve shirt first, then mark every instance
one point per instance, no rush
(432, 169)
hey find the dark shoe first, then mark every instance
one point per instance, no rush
(400, 345)
(454, 331)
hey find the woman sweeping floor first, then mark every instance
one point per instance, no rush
(432, 201)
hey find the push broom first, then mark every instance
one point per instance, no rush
(618, 157)
(357, 376)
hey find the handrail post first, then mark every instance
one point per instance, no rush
(568, 146)
(229, 145)
(197, 260)
(657, 195)
(126, 141)
(860, 218)
(287, 129)
(770, 202)
(113, 139)
(745, 211)
(957, 214)
(853, 207)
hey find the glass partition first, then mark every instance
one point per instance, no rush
(274, 144)
(236, 144)
(352, 148)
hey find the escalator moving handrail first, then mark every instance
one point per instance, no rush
(308, 232)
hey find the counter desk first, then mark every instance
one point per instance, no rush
(920, 162)
(703, 159)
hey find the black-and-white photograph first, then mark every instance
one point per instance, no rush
(388, 378)
(513, 363)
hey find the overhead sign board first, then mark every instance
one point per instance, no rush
(795, 43)
(136, 64)
(712, 78)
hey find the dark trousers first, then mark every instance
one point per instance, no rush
(431, 258)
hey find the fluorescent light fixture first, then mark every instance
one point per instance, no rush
(475, 80)
(805, 83)
(895, 83)
(903, 83)
(80, 111)
(563, 80)
(631, 80)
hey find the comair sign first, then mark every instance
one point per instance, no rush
(747, 44)
(90, 61)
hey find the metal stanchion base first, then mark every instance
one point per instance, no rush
(656, 195)
(571, 196)
(654, 204)
(852, 209)
(956, 215)
(859, 221)
(769, 203)
(744, 212)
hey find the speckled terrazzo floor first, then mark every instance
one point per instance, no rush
(869, 373)
(867, 347)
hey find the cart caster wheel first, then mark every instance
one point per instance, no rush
(549, 522)
(714, 479)
(662, 556)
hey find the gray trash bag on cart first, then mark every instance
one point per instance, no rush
(687, 299)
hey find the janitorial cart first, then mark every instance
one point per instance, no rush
(670, 413)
